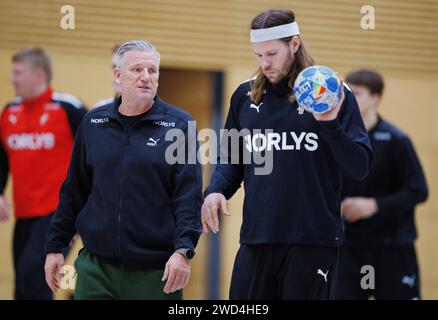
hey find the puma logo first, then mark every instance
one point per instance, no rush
(253, 106)
(320, 272)
(152, 142)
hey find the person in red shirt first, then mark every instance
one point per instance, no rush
(37, 132)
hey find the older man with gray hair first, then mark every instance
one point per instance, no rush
(137, 214)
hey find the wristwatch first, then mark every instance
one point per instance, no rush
(186, 253)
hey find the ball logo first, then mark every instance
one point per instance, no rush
(319, 91)
(304, 87)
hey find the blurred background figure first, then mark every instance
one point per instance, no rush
(37, 132)
(115, 85)
(379, 211)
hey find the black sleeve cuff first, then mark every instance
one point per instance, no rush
(330, 128)
(53, 249)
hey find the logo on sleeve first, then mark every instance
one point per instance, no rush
(99, 120)
(382, 136)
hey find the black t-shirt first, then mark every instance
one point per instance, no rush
(129, 121)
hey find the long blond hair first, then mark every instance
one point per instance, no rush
(272, 18)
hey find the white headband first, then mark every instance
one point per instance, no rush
(278, 32)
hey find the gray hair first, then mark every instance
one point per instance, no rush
(135, 45)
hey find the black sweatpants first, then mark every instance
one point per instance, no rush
(395, 273)
(29, 258)
(288, 272)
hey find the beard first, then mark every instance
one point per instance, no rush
(276, 75)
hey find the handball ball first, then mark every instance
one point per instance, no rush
(317, 88)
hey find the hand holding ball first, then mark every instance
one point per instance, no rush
(318, 89)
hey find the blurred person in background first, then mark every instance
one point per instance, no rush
(37, 132)
(379, 210)
(115, 85)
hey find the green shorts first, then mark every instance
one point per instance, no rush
(99, 280)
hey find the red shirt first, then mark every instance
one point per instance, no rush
(37, 139)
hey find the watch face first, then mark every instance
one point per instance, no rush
(190, 253)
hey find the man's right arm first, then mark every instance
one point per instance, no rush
(227, 177)
(72, 198)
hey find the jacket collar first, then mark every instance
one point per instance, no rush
(281, 88)
(156, 112)
(40, 100)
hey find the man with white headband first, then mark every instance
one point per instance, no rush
(292, 226)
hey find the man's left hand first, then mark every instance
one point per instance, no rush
(356, 208)
(176, 272)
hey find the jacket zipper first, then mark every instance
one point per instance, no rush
(122, 178)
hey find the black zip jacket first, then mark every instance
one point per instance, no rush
(121, 196)
(398, 184)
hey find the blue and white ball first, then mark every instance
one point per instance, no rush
(317, 88)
